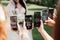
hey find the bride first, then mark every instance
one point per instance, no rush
(18, 8)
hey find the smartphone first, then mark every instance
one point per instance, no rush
(28, 21)
(50, 13)
(37, 18)
(44, 15)
(13, 23)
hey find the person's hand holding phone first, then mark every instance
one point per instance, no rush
(41, 26)
(44, 34)
(49, 22)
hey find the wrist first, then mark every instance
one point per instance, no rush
(42, 30)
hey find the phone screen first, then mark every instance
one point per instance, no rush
(13, 22)
(51, 13)
(28, 21)
(44, 15)
(37, 18)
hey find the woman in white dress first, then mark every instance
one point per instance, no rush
(18, 8)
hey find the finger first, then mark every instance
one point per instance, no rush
(45, 23)
(46, 20)
(18, 26)
(54, 16)
(24, 25)
(41, 22)
(49, 18)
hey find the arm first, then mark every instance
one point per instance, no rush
(44, 33)
(3, 31)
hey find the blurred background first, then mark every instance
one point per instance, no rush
(34, 6)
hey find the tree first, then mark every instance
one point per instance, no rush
(48, 3)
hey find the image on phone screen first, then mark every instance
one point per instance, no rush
(50, 13)
(13, 23)
(37, 18)
(44, 15)
(28, 21)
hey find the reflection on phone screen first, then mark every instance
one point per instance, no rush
(44, 15)
(28, 20)
(37, 18)
(13, 22)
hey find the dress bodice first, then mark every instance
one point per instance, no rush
(20, 14)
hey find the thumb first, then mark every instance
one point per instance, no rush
(18, 26)
(24, 25)
(41, 22)
(49, 18)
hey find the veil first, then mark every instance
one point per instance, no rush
(10, 5)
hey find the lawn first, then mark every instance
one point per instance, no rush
(31, 9)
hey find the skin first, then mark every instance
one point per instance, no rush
(51, 22)
(17, 1)
(3, 32)
(45, 35)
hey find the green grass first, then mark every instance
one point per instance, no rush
(35, 33)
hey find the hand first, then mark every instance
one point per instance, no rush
(50, 22)
(21, 29)
(41, 26)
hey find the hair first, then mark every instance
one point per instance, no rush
(56, 30)
(3, 31)
(22, 3)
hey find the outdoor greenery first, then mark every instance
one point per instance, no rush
(37, 35)
(48, 3)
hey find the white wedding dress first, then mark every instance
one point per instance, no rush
(24, 34)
